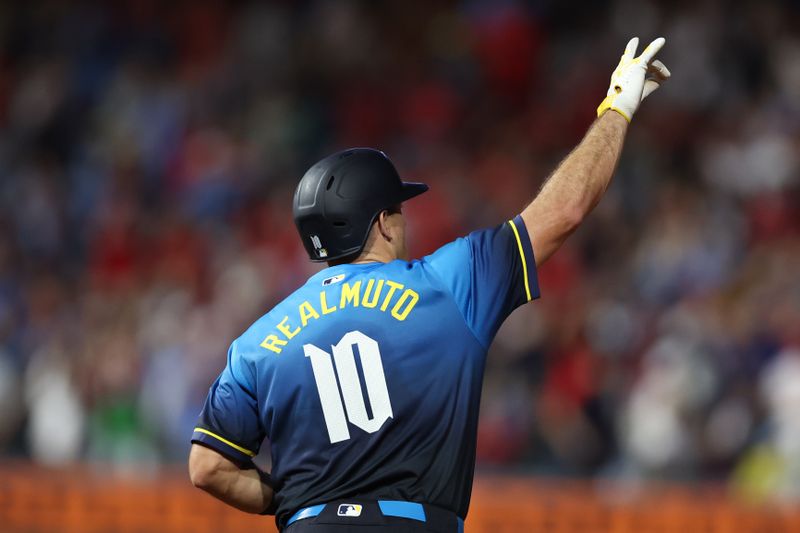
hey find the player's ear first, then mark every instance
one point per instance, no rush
(382, 225)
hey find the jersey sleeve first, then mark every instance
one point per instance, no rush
(490, 273)
(229, 421)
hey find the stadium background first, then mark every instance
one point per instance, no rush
(148, 152)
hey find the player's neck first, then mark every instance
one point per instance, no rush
(378, 249)
(369, 255)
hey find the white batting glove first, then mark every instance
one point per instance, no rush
(634, 79)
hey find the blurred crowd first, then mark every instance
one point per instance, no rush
(148, 154)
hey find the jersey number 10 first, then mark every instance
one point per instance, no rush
(348, 388)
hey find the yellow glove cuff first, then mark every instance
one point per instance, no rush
(608, 103)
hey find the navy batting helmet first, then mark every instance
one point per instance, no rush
(338, 199)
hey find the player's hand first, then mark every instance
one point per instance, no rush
(634, 79)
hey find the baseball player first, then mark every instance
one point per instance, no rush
(366, 381)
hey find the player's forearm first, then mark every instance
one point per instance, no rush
(221, 478)
(584, 175)
(242, 489)
(576, 186)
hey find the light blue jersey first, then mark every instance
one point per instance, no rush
(366, 381)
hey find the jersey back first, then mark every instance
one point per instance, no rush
(366, 381)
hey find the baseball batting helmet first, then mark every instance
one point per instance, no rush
(338, 199)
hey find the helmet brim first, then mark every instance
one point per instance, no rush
(412, 189)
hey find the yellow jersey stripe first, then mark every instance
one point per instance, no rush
(226, 441)
(522, 255)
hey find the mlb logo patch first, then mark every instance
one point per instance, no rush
(349, 509)
(332, 280)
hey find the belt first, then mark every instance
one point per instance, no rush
(400, 509)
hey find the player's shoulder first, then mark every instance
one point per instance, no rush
(478, 244)
(456, 263)
(456, 255)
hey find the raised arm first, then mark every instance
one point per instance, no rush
(579, 182)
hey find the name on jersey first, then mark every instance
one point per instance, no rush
(382, 294)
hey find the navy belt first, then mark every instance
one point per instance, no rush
(401, 509)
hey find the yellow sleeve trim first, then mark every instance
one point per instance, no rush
(226, 441)
(522, 255)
